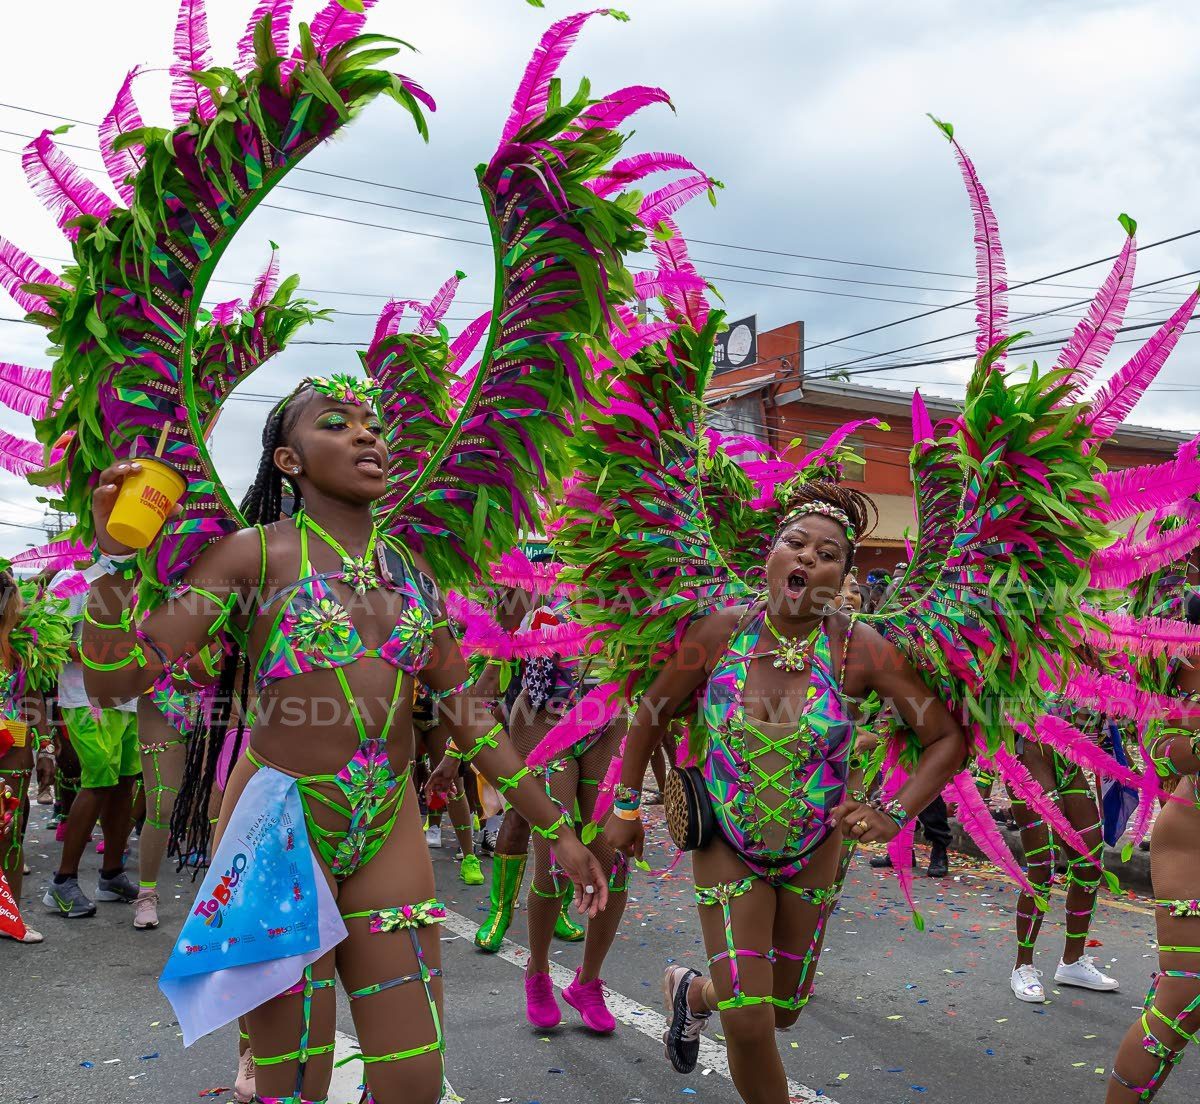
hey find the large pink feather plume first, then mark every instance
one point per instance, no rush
(922, 424)
(826, 449)
(1125, 562)
(191, 56)
(1121, 393)
(227, 312)
(1150, 487)
(632, 169)
(594, 710)
(610, 112)
(280, 12)
(1080, 748)
(515, 569)
(432, 314)
(604, 794)
(1094, 334)
(1025, 787)
(334, 25)
(991, 287)
(977, 822)
(672, 254)
(18, 268)
(25, 390)
(52, 557)
(70, 586)
(668, 199)
(464, 345)
(22, 457)
(900, 851)
(122, 164)
(670, 285)
(61, 186)
(533, 93)
(265, 285)
(1144, 636)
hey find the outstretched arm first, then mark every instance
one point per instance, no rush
(124, 654)
(674, 685)
(876, 664)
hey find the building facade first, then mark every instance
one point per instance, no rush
(773, 401)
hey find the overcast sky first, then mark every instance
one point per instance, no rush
(811, 113)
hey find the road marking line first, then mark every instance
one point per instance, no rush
(625, 1009)
(345, 1086)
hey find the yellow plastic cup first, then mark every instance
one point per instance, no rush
(146, 498)
(18, 730)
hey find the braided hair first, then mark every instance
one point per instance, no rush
(858, 507)
(12, 605)
(191, 828)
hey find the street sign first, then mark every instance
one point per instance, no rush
(738, 345)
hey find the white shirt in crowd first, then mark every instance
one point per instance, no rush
(71, 694)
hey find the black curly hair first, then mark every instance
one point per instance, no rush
(858, 507)
(191, 829)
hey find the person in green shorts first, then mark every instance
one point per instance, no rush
(105, 740)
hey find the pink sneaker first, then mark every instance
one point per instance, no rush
(100, 847)
(60, 833)
(541, 1009)
(587, 998)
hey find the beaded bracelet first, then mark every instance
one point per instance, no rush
(552, 832)
(626, 814)
(626, 797)
(893, 810)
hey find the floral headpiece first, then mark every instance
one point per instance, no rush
(351, 390)
(826, 509)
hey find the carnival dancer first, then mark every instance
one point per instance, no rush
(551, 684)
(35, 634)
(105, 740)
(1166, 644)
(358, 805)
(775, 680)
(1070, 789)
(666, 537)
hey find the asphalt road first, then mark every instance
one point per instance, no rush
(899, 1016)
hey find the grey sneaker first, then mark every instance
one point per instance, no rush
(682, 1037)
(119, 888)
(68, 900)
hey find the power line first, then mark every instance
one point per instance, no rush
(1012, 321)
(475, 202)
(1025, 283)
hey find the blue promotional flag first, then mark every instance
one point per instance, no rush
(1117, 800)
(263, 913)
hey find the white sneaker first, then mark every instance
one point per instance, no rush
(244, 1085)
(1026, 984)
(1086, 975)
(433, 835)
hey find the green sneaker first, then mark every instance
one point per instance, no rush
(470, 871)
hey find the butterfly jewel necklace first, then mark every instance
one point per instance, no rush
(792, 653)
(358, 572)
